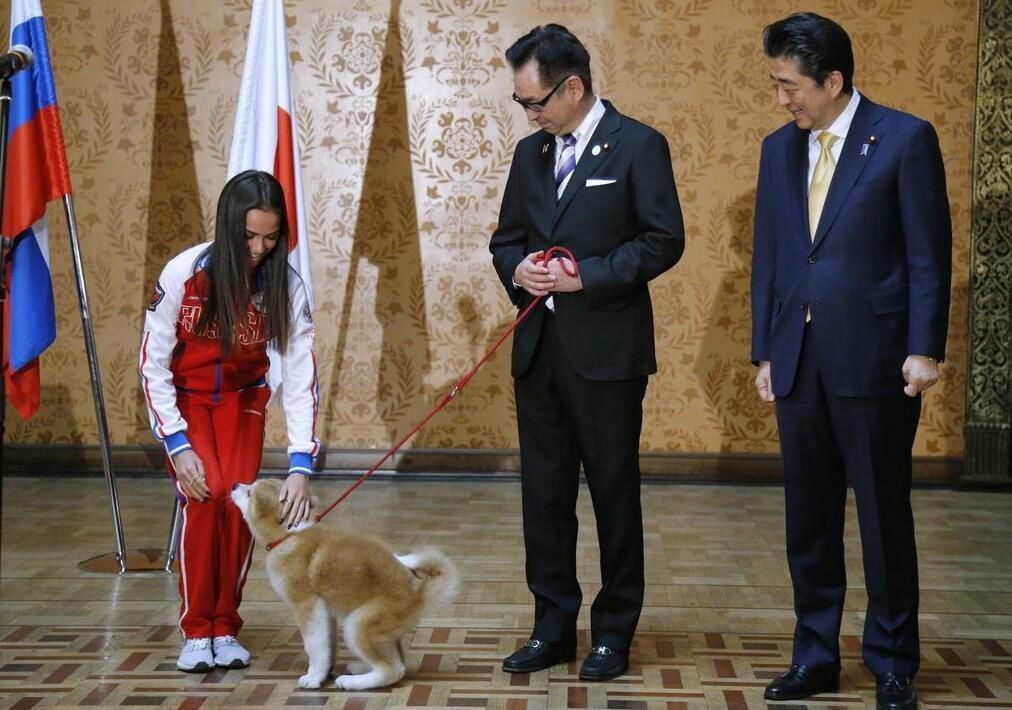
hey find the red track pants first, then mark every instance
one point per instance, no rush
(215, 546)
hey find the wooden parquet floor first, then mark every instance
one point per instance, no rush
(715, 629)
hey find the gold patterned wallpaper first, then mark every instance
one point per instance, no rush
(407, 131)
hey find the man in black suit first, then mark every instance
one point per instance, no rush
(850, 306)
(600, 185)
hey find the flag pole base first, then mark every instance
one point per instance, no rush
(145, 560)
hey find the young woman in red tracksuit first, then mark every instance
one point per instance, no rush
(203, 366)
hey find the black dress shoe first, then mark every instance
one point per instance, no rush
(800, 681)
(894, 691)
(603, 663)
(536, 655)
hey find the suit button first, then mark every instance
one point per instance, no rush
(812, 259)
(803, 307)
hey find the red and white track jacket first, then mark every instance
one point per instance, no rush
(173, 358)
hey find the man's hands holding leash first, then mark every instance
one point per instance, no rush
(294, 500)
(539, 279)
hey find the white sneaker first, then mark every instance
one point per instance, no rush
(229, 653)
(195, 656)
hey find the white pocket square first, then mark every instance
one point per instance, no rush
(597, 182)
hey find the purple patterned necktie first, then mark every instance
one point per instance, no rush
(568, 163)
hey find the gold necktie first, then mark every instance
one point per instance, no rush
(821, 178)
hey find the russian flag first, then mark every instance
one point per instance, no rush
(36, 173)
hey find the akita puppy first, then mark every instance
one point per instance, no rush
(326, 573)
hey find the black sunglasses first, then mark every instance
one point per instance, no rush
(539, 106)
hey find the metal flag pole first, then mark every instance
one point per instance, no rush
(96, 564)
(120, 561)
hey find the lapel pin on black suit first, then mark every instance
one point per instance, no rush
(544, 148)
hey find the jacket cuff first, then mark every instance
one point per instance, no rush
(177, 443)
(300, 463)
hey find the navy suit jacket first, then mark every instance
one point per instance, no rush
(876, 276)
(623, 231)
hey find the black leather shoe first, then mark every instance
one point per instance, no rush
(536, 655)
(800, 681)
(603, 663)
(894, 691)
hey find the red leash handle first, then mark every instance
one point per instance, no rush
(570, 268)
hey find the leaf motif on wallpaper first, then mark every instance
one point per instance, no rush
(691, 132)
(398, 376)
(132, 71)
(565, 8)
(198, 54)
(344, 58)
(356, 395)
(104, 290)
(442, 436)
(469, 9)
(219, 130)
(124, 398)
(683, 301)
(173, 224)
(66, 411)
(87, 129)
(604, 59)
(348, 127)
(844, 11)
(71, 41)
(942, 413)
(743, 420)
(672, 439)
(327, 243)
(486, 390)
(945, 67)
(387, 232)
(457, 145)
(462, 58)
(664, 11)
(308, 129)
(457, 315)
(880, 60)
(240, 7)
(664, 61)
(460, 223)
(727, 233)
(415, 314)
(124, 202)
(738, 68)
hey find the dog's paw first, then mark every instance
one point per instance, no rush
(310, 680)
(355, 682)
(358, 667)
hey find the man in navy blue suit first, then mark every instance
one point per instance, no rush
(850, 299)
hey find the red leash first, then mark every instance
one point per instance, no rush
(545, 258)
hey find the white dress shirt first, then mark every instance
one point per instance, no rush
(839, 128)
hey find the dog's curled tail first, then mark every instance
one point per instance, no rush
(439, 576)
